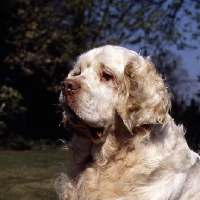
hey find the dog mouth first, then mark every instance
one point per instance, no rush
(95, 132)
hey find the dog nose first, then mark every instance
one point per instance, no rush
(69, 87)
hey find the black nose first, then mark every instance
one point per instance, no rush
(70, 87)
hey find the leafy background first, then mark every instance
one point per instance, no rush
(40, 40)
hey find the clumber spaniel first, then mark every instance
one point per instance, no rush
(125, 144)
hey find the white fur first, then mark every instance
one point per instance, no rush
(141, 154)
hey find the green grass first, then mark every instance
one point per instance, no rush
(30, 175)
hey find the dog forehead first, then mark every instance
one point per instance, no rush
(114, 57)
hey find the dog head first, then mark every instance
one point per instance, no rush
(110, 81)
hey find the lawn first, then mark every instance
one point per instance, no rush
(30, 175)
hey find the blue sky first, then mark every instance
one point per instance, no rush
(190, 62)
(192, 65)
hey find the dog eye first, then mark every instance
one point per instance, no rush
(77, 72)
(106, 76)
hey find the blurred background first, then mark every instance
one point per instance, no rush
(40, 40)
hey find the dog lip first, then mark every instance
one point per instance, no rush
(96, 132)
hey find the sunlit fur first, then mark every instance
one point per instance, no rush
(143, 154)
(143, 98)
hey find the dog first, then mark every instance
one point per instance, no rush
(125, 146)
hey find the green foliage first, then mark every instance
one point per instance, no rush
(20, 143)
(11, 110)
(45, 37)
(36, 47)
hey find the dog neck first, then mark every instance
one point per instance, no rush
(121, 139)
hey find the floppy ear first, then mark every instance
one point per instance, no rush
(142, 96)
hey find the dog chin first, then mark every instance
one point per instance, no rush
(95, 132)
